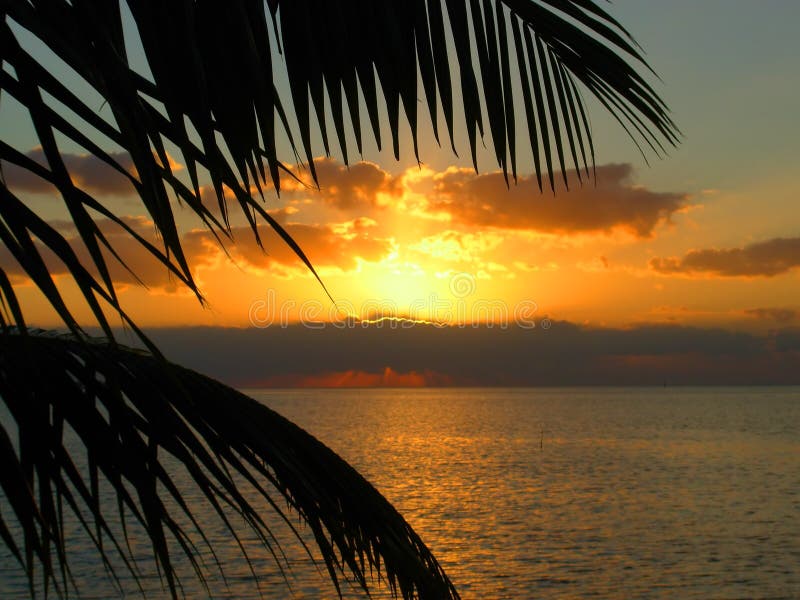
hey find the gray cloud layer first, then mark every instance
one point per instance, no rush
(764, 259)
(609, 203)
(566, 354)
(138, 260)
(87, 171)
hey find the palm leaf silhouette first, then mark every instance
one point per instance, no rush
(130, 410)
(201, 82)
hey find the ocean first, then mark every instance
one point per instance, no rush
(558, 493)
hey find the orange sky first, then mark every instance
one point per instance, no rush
(454, 246)
(704, 239)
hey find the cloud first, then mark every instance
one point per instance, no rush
(534, 268)
(564, 354)
(361, 379)
(612, 204)
(598, 264)
(788, 340)
(458, 195)
(461, 196)
(351, 229)
(331, 245)
(87, 171)
(208, 198)
(780, 315)
(456, 246)
(339, 246)
(761, 259)
(147, 268)
(357, 189)
(358, 186)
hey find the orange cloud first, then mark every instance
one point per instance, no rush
(598, 264)
(362, 379)
(340, 246)
(456, 246)
(613, 203)
(761, 259)
(346, 188)
(459, 195)
(533, 268)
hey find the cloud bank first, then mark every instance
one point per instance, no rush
(460, 195)
(565, 354)
(87, 172)
(613, 203)
(761, 259)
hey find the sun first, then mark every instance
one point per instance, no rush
(400, 289)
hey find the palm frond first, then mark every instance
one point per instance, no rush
(134, 412)
(207, 90)
(208, 87)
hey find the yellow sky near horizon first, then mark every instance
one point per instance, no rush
(707, 237)
(452, 247)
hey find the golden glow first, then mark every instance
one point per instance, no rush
(360, 379)
(394, 246)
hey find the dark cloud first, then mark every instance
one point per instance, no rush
(613, 203)
(761, 259)
(87, 172)
(353, 189)
(565, 354)
(138, 260)
(343, 187)
(781, 315)
(788, 340)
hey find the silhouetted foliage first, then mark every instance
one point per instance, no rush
(207, 91)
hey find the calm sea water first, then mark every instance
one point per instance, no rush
(562, 493)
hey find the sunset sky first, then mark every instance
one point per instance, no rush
(702, 247)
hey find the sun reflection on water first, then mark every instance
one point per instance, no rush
(550, 493)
